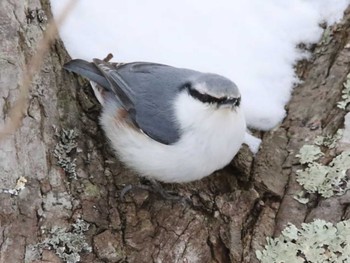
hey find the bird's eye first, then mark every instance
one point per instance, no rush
(206, 98)
(230, 101)
(187, 86)
(199, 96)
(237, 102)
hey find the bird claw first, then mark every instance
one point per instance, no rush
(157, 188)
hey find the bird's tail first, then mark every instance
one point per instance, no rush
(87, 70)
(90, 71)
(105, 80)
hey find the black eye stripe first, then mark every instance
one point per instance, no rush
(205, 98)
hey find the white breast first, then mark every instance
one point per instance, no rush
(211, 137)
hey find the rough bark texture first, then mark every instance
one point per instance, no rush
(233, 211)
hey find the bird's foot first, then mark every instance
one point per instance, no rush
(155, 187)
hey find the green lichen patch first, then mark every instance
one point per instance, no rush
(327, 180)
(314, 179)
(63, 150)
(309, 153)
(67, 244)
(338, 175)
(301, 197)
(315, 242)
(345, 94)
(329, 141)
(326, 39)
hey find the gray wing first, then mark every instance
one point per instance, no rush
(146, 90)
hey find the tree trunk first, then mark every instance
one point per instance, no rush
(72, 180)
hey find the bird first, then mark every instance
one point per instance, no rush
(169, 124)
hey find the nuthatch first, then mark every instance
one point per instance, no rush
(166, 123)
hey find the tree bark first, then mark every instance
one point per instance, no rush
(233, 210)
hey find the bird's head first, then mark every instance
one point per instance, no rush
(214, 91)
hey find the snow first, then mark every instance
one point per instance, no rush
(251, 42)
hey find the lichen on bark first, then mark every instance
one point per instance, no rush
(233, 210)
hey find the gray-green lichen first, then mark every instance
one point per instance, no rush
(326, 180)
(301, 197)
(326, 39)
(309, 153)
(345, 94)
(315, 242)
(63, 150)
(313, 178)
(67, 244)
(327, 36)
(345, 140)
(329, 140)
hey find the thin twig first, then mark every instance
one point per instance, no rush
(108, 57)
(17, 112)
